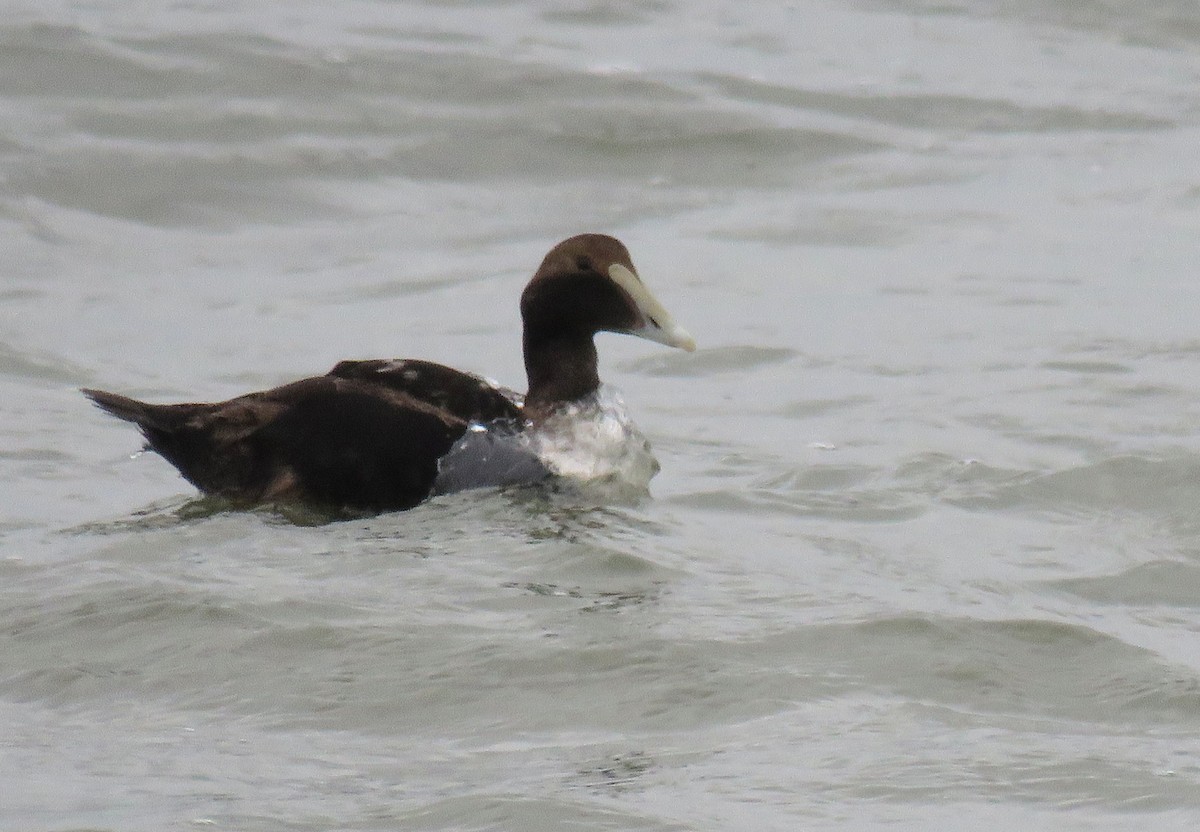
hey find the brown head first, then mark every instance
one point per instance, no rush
(586, 284)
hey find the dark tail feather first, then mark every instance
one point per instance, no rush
(155, 420)
(166, 429)
(123, 407)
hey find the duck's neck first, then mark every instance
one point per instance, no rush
(561, 369)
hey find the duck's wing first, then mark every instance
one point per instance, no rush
(466, 395)
(327, 441)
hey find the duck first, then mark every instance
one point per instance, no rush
(370, 435)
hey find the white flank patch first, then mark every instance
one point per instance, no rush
(596, 441)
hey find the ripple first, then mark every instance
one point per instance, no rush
(1163, 486)
(151, 143)
(981, 115)
(39, 367)
(861, 506)
(1087, 367)
(705, 362)
(1022, 666)
(1170, 583)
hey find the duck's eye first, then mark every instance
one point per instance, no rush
(584, 263)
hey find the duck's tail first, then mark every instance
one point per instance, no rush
(146, 416)
(167, 431)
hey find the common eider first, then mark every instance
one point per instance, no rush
(368, 435)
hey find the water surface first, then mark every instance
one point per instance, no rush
(924, 544)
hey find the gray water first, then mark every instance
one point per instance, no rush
(924, 552)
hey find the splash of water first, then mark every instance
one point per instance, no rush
(595, 441)
(592, 443)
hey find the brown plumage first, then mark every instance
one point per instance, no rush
(368, 435)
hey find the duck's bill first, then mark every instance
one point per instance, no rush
(657, 323)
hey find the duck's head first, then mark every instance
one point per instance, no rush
(587, 284)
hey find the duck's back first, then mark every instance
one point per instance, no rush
(465, 395)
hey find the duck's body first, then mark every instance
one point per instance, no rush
(369, 434)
